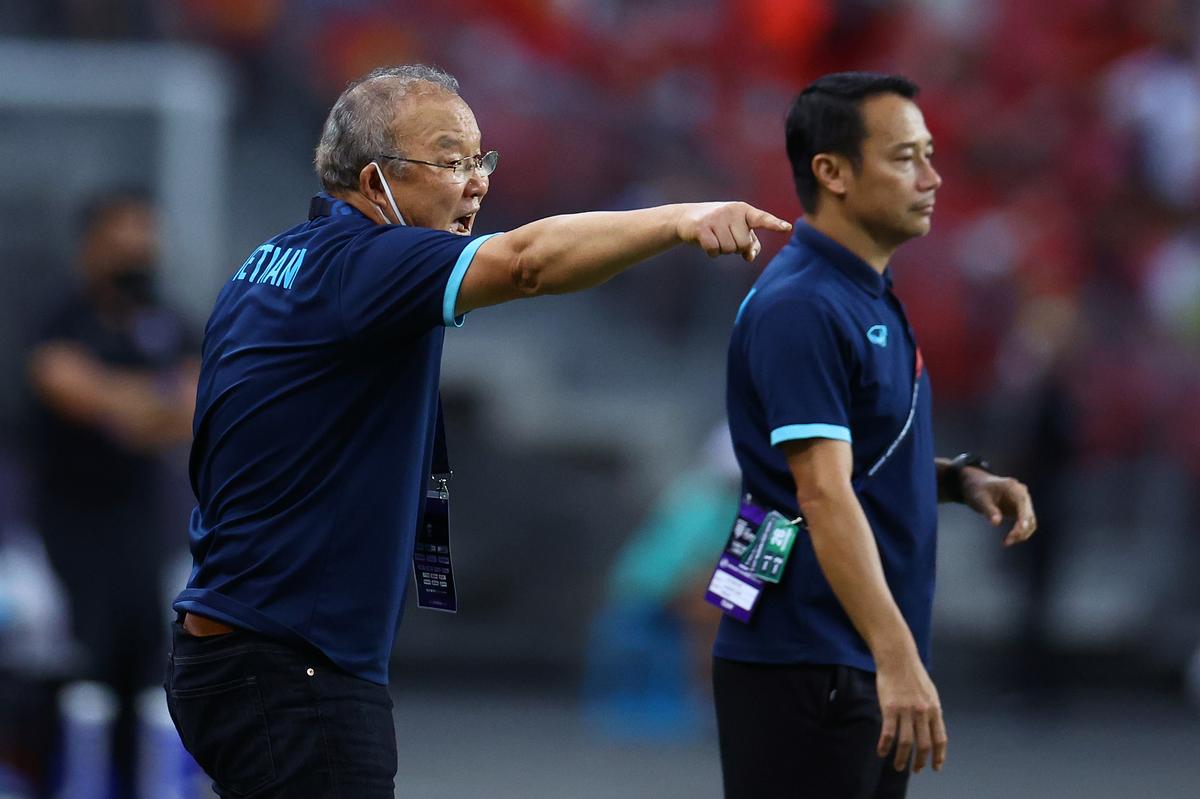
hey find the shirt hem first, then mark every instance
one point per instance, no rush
(221, 608)
(783, 656)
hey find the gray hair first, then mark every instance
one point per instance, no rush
(360, 124)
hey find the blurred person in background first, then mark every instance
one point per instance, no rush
(114, 379)
(1034, 404)
(649, 663)
(319, 458)
(831, 417)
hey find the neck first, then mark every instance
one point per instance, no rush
(369, 209)
(853, 237)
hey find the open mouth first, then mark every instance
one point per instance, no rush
(462, 225)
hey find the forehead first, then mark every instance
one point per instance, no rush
(124, 220)
(890, 119)
(435, 118)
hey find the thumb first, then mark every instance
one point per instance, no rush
(987, 507)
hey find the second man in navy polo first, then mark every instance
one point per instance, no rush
(830, 412)
(822, 349)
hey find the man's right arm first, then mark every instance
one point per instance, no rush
(849, 558)
(568, 253)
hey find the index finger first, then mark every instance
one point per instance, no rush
(758, 218)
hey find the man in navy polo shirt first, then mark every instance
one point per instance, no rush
(318, 423)
(829, 409)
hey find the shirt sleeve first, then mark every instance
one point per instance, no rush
(798, 364)
(403, 281)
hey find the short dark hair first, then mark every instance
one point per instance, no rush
(827, 118)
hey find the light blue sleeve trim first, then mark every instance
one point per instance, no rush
(455, 282)
(742, 307)
(791, 432)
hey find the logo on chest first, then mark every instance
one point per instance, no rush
(878, 335)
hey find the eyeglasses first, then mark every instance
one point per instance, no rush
(463, 168)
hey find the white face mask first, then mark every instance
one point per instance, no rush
(392, 202)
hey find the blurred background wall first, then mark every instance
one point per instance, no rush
(1057, 300)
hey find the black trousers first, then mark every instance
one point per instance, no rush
(109, 560)
(800, 731)
(265, 719)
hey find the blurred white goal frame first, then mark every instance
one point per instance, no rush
(188, 92)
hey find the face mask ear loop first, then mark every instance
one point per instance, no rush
(388, 191)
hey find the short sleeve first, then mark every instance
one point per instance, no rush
(403, 281)
(798, 365)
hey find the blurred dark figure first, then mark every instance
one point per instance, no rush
(1036, 393)
(114, 385)
(1053, 452)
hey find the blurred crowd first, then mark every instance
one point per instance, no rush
(1059, 294)
(1066, 247)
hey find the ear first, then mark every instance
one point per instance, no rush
(832, 173)
(370, 184)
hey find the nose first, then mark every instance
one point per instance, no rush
(930, 179)
(477, 185)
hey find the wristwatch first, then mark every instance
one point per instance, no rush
(954, 470)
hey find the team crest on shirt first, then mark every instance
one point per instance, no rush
(877, 335)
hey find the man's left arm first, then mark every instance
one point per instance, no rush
(992, 496)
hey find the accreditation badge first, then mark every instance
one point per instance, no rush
(433, 573)
(757, 551)
(768, 554)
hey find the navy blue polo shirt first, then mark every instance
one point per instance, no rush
(821, 349)
(314, 431)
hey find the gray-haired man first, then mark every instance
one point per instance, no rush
(318, 426)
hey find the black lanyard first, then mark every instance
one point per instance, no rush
(441, 456)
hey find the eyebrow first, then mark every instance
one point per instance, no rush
(446, 142)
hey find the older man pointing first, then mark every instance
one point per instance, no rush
(319, 460)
